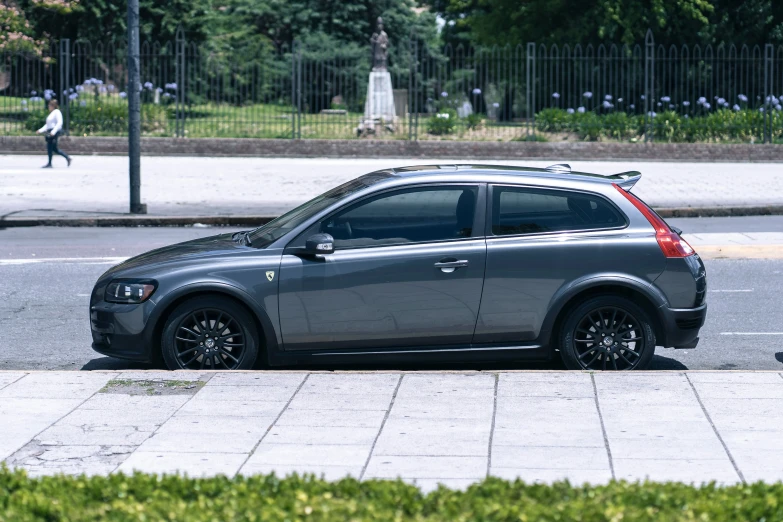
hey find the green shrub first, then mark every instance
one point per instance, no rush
(473, 121)
(106, 118)
(144, 497)
(444, 122)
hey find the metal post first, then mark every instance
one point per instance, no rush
(65, 81)
(293, 89)
(769, 51)
(649, 85)
(530, 89)
(179, 75)
(134, 110)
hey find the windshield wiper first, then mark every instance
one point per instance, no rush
(242, 237)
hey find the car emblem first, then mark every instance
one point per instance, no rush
(270, 275)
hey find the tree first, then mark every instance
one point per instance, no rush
(574, 21)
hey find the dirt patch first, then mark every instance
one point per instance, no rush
(152, 387)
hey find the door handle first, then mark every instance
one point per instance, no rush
(448, 266)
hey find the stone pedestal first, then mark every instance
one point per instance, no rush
(379, 105)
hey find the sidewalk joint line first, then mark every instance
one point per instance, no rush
(492, 427)
(25, 374)
(603, 426)
(272, 425)
(53, 423)
(715, 429)
(380, 430)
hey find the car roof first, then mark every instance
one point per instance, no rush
(502, 173)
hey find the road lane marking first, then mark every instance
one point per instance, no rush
(81, 260)
(751, 333)
(731, 291)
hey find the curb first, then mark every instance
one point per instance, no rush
(239, 221)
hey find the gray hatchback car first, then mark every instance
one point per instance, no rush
(448, 263)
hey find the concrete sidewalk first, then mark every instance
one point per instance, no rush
(96, 186)
(453, 428)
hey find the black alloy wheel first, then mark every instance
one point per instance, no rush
(209, 333)
(607, 333)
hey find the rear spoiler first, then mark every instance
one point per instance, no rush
(626, 180)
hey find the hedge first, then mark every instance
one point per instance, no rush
(143, 497)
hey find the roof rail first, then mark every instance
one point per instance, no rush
(561, 168)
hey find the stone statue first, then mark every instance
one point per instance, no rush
(380, 47)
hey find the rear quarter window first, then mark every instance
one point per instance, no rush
(519, 210)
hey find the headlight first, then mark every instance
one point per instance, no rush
(129, 291)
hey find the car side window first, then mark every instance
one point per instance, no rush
(519, 210)
(417, 215)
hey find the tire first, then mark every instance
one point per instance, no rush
(209, 333)
(632, 338)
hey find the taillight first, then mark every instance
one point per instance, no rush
(672, 245)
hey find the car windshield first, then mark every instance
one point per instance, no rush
(280, 226)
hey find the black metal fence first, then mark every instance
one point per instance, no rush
(533, 92)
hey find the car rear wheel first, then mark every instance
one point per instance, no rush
(209, 333)
(607, 333)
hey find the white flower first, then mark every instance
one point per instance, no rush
(580, 110)
(570, 110)
(619, 100)
(442, 115)
(588, 95)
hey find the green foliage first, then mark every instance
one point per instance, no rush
(105, 119)
(268, 498)
(473, 121)
(722, 125)
(443, 123)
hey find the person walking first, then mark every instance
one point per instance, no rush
(52, 130)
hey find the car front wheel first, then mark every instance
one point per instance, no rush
(607, 333)
(209, 333)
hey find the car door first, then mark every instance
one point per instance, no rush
(537, 241)
(407, 270)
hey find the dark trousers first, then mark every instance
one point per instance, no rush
(51, 147)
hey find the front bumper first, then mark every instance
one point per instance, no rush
(681, 326)
(121, 330)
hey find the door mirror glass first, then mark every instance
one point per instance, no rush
(319, 244)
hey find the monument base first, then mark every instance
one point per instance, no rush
(379, 105)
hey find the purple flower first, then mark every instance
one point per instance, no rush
(24, 102)
(632, 106)
(555, 95)
(123, 95)
(496, 105)
(79, 88)
(721, 101)
(110, 87)
(706, 105)
(761, 109)
(476, 91)
(652, 114)
(702, 100)
(73, 96)
(686, 103)
(580, 110)
(666, 99)
(607, 105)
(36, 99)
(444, 94)
(570, 110)
(48, 96)
(671, 106)
(166, 95)
(588, 95)
(619, 100)
(608, 97)
(742, 98)
(159, 90)
(778, 107)
(82, 103)
(102, 89)
(643, 97)
(660, 104)
(148, 85)
(736, 107)
(173, 86)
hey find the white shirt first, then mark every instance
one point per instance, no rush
(54, 122)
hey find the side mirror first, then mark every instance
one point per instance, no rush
(319, 244)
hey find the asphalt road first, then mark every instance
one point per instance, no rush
(46, 275)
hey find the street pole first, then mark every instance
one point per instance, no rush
(134, 110)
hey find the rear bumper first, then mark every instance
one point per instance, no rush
(681, 326)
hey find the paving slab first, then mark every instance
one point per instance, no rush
(422, 427)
